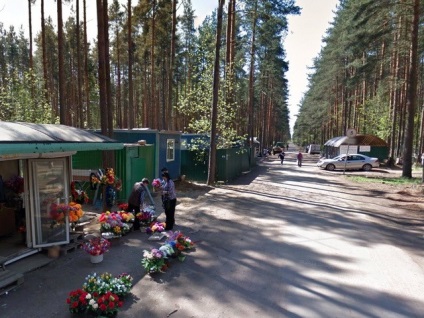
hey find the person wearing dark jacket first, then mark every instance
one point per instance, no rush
(136, 199)
(169, 200)
(281, 156)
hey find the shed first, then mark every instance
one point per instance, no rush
(38, 157)
(167, 146)
(368, 145)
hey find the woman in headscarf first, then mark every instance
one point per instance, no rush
(169, 200)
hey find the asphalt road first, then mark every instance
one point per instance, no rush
(281, 241)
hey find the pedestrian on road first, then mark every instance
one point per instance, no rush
(281, 156)
(299, 159)
(169, 200)
(137, 199)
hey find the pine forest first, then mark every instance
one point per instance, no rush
(369, 76)
(149, 66)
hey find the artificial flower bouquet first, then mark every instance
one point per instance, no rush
(16, 184)
(111, 222)
(126, 217)
(146, 216)
(154, 261)
(100, 305)
(156, 183)
(123, 206)
(101, 284)
(96, 246)
(106, 305)
(156, 227)
(182, 242)
(75, 212)
(78, 195)
(78, 301)
(58, 213)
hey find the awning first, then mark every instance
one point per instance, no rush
(30, 138)
(360, 140)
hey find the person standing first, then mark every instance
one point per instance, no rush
(281, 156)
(137, 198)
(168, 194)
(299, 159)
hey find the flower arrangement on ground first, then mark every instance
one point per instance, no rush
(145, 216)
(127, 217)
(106, 305)
(101, 305)
(182, 242)
(96, 246)
(156, 227)
(77, 301)
(101, 284)
(111, 222)
(101, 295)
(78, 195)
(154, 261)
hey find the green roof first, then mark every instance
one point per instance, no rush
(30, 138)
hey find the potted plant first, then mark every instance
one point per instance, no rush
(96, 247)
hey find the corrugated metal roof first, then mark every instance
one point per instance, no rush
(360, 140)
(21, 137)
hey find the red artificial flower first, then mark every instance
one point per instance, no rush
(75, 304)
(68, 300)
(111, 305)
(120, 303)
(102, 307)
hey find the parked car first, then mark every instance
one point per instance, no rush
(352, 162)
(278, 148)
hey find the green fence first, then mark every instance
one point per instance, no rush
(230, 164)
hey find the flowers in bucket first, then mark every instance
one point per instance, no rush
(96, 246)
(111, 222)
(156, 227)
(154, 261)
(101, 284)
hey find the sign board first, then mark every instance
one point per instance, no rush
(364, 148)
(351, 132)
(348, 149)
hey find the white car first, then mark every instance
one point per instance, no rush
(352, 162)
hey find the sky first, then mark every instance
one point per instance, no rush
(303, 42)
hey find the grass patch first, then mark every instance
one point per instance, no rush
(400, 181)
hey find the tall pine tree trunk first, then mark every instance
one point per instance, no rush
(130, 114)
(214, 109)
(86, 75)
(60, 44)
(411, 94)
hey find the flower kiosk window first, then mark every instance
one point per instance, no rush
(35, 184)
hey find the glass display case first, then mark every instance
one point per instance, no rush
(50, 180)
